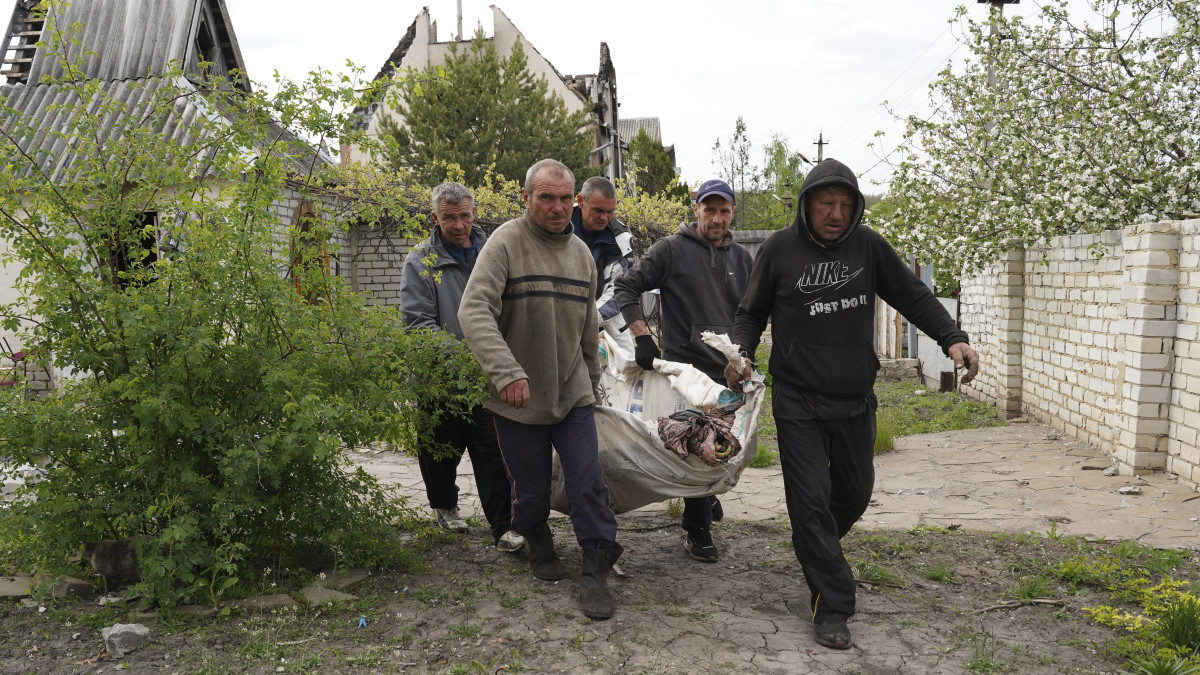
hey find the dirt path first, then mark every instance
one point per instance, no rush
(480, 611)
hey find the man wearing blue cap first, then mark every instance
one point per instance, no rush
(701, 275)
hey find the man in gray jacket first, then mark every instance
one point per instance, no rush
(431, 287)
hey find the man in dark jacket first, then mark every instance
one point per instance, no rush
(817, 281)
(611, 245)
(701, 275)
(431, 288)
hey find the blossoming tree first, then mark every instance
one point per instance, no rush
(1053, 126)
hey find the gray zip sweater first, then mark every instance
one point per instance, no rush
(432, 283)
(529, 312)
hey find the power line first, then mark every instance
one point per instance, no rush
(855, 139)
(881, 92)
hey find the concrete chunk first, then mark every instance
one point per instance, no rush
(343, 580)
(316, 595)
(13, 588)
(70, 587)
(264, 602)
(124, 638)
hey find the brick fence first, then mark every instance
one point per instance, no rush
(1095, 335)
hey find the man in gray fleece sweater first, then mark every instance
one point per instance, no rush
(529, 315)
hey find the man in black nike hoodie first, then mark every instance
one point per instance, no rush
(817, 281)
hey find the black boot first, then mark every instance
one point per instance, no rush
(595, 599)
(539, 549)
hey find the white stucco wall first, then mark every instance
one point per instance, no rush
(933, 361)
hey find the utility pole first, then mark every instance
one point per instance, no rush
(821, 143)
(996, 11)
(459, 20)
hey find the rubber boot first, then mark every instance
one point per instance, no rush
(596, 600)
(539, 549)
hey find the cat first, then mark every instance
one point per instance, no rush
(115, 560)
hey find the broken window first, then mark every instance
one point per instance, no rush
(209, 45)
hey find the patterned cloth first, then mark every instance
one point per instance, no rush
(706, 435)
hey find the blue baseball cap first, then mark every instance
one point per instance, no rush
(714, 187)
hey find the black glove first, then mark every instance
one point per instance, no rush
(645, 351)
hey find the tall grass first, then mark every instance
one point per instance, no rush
(887, 428)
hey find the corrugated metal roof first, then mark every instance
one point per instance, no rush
(134, 42)
(628, 128)
(43, 109)
(131, 38)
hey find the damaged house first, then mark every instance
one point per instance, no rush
(376, 253)
(595, 94)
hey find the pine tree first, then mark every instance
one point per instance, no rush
(652, 169)
(480, 111)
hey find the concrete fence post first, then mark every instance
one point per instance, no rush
(1010, 327)
(1183, 440)
(1150, 294)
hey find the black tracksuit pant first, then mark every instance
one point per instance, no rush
(478, 436)
(828, 477)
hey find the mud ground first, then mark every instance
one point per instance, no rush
(478, 610)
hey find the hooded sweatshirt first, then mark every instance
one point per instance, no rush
(821, 300)
(700, 286)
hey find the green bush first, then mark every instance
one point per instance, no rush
(213, 380)
(1179, 623)
(886, 430)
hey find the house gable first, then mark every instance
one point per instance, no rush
(129, 47)
(420, 48)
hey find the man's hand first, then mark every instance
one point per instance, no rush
(645, 351)
(516, 394)
(965, 357)
(734, 379)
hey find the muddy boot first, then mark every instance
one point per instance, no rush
(539, 549)
(595, 599)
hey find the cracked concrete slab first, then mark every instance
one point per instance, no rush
(972, 477)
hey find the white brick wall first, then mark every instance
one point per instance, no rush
(1183, 411)
(374, 257)
(1102, 349)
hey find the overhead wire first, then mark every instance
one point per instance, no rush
(871, 106)
(880, 115)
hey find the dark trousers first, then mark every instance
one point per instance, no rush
(828, 476)
(478, 436)
(697, 513)
(528, 453)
